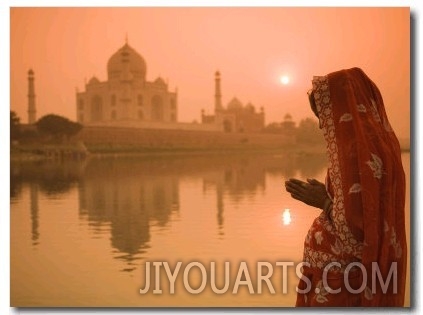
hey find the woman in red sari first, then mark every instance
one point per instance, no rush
(355, 251)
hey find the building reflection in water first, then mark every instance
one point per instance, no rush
(244, 176)
(33, 188)
(126, 197)
(236, 177)
(52, 178)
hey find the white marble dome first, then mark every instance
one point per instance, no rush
(125, 60)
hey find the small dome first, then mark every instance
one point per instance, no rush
(288, 117)
(160, 82)
(93, 80)
(234, 104)
(126, 58)
(31, 72)
(250, 107)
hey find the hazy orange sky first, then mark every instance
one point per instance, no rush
(251, 47)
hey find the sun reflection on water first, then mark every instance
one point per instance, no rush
(286, 217)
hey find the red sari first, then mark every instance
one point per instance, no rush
(366, 181)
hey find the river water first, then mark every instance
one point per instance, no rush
(84, 233)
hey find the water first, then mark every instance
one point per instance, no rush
(83, 232)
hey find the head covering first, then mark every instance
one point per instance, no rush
(367, 179)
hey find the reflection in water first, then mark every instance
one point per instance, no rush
(286, 217)
(243, 176)
(300, 165)
(130, 196)
(234, 177)
(132, 204)
(34, 213)
(126, 196)
(53, 177)
(126, 211)
(220, 209)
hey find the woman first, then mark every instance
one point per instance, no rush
(360, 235)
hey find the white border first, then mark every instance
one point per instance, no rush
(4, 144)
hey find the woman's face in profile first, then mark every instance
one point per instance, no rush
(313, 106)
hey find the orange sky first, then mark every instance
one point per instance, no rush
(252, 48)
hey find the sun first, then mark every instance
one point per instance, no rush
(284, 79)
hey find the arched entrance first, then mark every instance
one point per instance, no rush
(96, 108)
(157, 110)
(227, 125)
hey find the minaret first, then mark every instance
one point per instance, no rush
(31, 98)
(217, 93)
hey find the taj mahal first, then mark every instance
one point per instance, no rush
(127, 99)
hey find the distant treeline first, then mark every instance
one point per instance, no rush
(55, 128)
(51, 128)
(307, 130)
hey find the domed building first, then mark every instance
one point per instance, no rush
(235, 117)
(127, 98)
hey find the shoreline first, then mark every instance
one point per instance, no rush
(25, 154)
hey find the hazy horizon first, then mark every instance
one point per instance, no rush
(251, 47)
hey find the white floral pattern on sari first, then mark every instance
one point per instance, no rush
(344, 239)
(361, 108)
(395, 244)
(321, 293)
(368, 293)
(346, 117)
(374, 111)
(376, 165)
(351, 128)
(355, 188)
